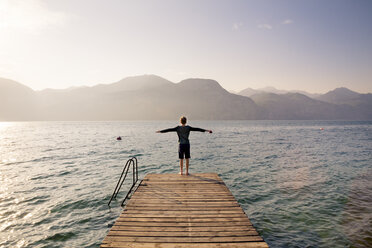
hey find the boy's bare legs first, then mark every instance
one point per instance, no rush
(187, 166)
(181, 166)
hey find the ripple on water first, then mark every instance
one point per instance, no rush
(42, 176)
(357, 218)
(56, 239)
(70, 205)
(36, 200)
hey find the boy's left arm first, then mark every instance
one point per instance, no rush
(200, 129)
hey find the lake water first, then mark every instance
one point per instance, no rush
(301, 186)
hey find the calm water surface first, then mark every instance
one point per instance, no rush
(301, 186)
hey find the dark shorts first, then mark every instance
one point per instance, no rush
(184, 151)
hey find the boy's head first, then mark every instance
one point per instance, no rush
(183, 120)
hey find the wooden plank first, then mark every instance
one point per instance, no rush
(182, 234)
(148, 199)
(189, 205)
(183, 239)
(182, 224)
(188, 213)
(183, 183)
(170, 210)
(187, 188)
(172, 194)
(179, 182)
(185, 245)
(178, 176)
(184, 228)
(182, 198)
(182, 190)
(167, 189)
(196, 184)
(182, 215)
(183, 179)
(181, 219)
(181, 208)
(157, 175)
(182, 201)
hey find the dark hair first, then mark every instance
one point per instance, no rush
(183, 120)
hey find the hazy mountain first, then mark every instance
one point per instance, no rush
(145, 82)
(206, 99)
(362, 103)
(151, 97)
(293, 106)
(12, 87)
(143, 97)
(196, 98)
(51, 91)
(344, 96)
(250, 92)
(16, 101)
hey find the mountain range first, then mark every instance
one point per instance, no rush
(151, 97)
(250, 92)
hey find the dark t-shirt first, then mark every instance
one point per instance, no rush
(183, 132)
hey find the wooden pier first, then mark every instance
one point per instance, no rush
(170, 210)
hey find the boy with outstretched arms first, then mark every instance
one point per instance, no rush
(183, 133)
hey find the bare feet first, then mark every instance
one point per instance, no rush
(187, 174)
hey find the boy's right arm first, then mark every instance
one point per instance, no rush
(200, 129)
(167, 130)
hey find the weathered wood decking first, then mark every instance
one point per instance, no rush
(170, 210)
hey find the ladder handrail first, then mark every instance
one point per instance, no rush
(134, 162)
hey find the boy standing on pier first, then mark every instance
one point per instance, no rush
(183, 133)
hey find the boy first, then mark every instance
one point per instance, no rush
(183, 133)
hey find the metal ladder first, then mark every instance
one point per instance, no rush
(131, 162)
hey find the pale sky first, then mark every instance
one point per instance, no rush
(314, 45)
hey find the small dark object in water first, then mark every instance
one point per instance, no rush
(118, 138)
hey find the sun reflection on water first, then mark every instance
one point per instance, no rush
(4, 125)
